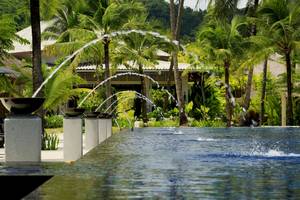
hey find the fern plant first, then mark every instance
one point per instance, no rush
(61, 88)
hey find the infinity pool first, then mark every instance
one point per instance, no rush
(188, 163)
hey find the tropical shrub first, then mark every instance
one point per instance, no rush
(208, 123)
(54, 121)
(164, 123)
(208, 99)
(272, 102)
(157, 114)
(93, 101)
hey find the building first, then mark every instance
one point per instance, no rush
(160, 72)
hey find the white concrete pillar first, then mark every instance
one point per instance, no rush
(23, 135)
(102, 130)
(72, 139)
(108, 127)
(91, 133)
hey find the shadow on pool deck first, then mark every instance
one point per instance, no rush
(17, 187)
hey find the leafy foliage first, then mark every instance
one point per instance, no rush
(272, 102)
(208, 98)
(61, 88)
(8, 35)
(92, 103)
(54, 121)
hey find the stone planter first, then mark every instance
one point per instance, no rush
(22, 130)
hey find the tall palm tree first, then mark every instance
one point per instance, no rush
(82, 26)
(251, 11)
(135, 53)
(283, 18)
(261, 49)
(37, 75)
(175, 29)
(223, 43)
(115, 15)
(225, 10)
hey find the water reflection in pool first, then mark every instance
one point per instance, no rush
(159, 163)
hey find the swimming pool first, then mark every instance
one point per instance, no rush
(185, 163)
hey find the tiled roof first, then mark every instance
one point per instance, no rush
(161, 65)
(26, 34)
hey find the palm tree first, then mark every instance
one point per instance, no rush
(102, 17)
(48, 8)
(175, 29)
(261, 49)
(225, 10)
(137, 51)
(60, 88)
(223, 43)
(283, 18)
(8, 35)
(251, 9)
(37, 75)
(111, 17)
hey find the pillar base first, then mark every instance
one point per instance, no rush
(72, 139)
(91, 133)
(102, 130)
(108, 127)
(23, 135)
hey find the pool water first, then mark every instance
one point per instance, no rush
(184, 163)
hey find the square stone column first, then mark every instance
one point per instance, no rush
(72, 139)
(108, 127)
(102, 123)
(23, 139)
(91, 133)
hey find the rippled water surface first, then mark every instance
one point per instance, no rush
(190, 163)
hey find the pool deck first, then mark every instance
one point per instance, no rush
(49, 155)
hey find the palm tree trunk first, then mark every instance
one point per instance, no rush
(106, 42)
(251, 70)
(175, 28)
(289, 109)
(202, 78)
(248, 88)
(263, 93)
(168, 87)
(227, 94)
(143, 91)
(37, 76)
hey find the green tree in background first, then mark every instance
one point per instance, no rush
(283, 18)
(223, 43)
